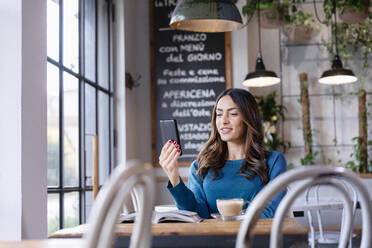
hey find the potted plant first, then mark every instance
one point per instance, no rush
(300, 27)
(273, 12)
(350, 11)
(271, 112)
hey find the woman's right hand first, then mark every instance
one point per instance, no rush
(168, 160)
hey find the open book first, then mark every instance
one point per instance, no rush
(175, 215)
(164, 214)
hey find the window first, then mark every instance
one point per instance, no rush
(80, 99)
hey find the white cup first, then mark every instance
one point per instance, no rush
(230, 207)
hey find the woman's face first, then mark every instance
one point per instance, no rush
(229, 121)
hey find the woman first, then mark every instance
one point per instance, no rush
(232, 164)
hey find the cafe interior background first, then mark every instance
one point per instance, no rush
(30, 104)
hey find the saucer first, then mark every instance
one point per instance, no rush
(220, 217)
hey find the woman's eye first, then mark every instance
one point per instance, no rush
(218, 115)
(234, 114)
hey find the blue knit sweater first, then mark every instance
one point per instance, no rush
(200, 195)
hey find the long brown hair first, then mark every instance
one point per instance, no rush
(214, 153)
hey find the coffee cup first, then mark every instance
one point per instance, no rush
(230, 207)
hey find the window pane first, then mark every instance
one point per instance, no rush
(53, 29)
(53, 124)
(90, 40)
(88, 203)
(71, 34)
(89, 160)
(71, 209)
(90, 131)
(103, 44)
(53, 213)
(103, 137)
(111, 130)
(71, 130)
(90, 110)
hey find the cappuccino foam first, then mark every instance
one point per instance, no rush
(230, 207)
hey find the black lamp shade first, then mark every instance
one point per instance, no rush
(206, 16)
(337, 75)
(261, 77)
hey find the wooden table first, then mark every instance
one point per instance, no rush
(47, 243)
(209, 233)
(206, 227)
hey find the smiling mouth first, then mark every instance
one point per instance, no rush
(226, 130)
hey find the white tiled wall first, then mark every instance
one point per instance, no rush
(293, 132)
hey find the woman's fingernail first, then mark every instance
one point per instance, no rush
(177, 146)
(174, 142)
(170, 141)
(178, 150)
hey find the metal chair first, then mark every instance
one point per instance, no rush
(327, 237)
(109, 203)
(313, 175)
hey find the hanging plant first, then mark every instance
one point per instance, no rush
(354, 40)
(300, 26)
(271, 112)
(350, 11)
(273, 12)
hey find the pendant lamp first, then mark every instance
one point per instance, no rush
(206, 16)
(337, 74)
(260, 77)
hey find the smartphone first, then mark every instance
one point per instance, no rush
(169, 131)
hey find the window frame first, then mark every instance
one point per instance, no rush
(82, 188)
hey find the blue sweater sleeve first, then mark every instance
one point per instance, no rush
(277, 165)
(193, 197)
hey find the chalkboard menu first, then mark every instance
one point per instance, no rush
(189, 71)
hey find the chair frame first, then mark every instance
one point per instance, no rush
(109, 202)
(254, 210)
(322, 238)
(275, 238)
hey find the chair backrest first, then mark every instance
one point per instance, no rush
(135, 194)
(322, 237)
(312, 175)
(348, 217)
(109, 202)
(134, 204)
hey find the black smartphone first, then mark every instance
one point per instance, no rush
(169, 131)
